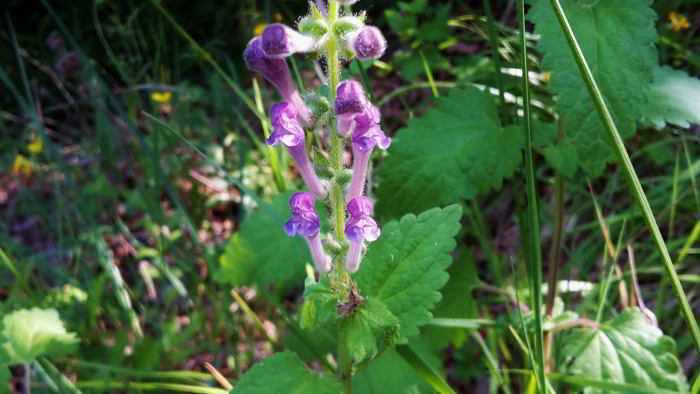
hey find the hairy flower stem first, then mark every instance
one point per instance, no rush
(359, 172)
(307, 172)
(337, 202)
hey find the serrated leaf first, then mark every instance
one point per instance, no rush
(407, 265)
(626, 349)
(389, 373)
(562, 156)
(285, 373)
(617, 38)
(319, 304)
(674, 98)
(369, 330)
(456, 150)
(29, 333)
(260, 252)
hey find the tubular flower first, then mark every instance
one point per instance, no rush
(349, 101)
(305, 222)
(368, 43)
(361, 227)
(279, 40)
(366, 135)
(287, 129)
(275, 70)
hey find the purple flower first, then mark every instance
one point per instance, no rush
(368, 43)
(275, 70)
(279, 40)
(366, 135)
(361, 227)
(287, 129)
(349, 101)
(305, 222)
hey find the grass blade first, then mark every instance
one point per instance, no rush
(631, 176)
(432, 377)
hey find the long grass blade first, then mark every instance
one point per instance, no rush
(432, 377)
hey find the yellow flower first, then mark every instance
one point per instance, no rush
(258, 29)
(22, 166)
(161, 97)
(36, 146)
(678, 21)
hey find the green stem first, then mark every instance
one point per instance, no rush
(535, 254)
(631, 176)
(337, 141)
(495, 56)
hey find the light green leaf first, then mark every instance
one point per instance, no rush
(261, 252)
(370, 329)
(407, 265)
(389, 373)
(453, 151)
(626, 349)
(617, 38)
(674, 97)
(319, 304)
(285, 373)
(29, 333)
(562, 156)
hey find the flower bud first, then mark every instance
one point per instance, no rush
(347, 24)
(279, 40)
(313, 26)
(368, 43)
(349, 101)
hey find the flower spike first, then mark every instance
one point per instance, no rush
(361, 227)
(287, 130)
(305, 222)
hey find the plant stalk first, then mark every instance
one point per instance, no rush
(631, 176)
(534, 251)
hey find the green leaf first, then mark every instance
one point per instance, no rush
(29, 333)
(416, 7)
(4, 379)
(389, 373)
(674, 98)
(261, 252)
(407, 265)
(562, 156)
(427, 372)
(369, 330)
(617, 38)
(436, 30)
(285, 373)
(625, 350)
(319, 304)
(453, 151)
(400, 23)
(411, 65)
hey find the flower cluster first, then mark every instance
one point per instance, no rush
(355, 117)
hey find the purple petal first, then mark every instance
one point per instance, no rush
(360, 206)
(368, 43)
(302, 202)
(274, 70)
(285, 125)
(362, 228)
(279, 40)
(349, 98)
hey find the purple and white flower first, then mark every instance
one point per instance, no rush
(361, 227)
(287, 130)
(367, 134)
(280, 40)
(349, 101)
(367, 43)
(276, 71)
(305, 222)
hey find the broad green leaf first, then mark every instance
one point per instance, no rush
(416, 6)
(389, 373)
(29, 333)
(453, 151)
(261, 252)
(400, 23)
(427, 372)
(319, 304)
(626, 349)
(370, 329)
(285, 373)
(562, 156)
(674, 97)
(436, 30)
(411, 65)
(407, 265)
(617, 38)
(4, 379)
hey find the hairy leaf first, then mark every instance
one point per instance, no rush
(617, 38)
(261, 252)
(407, 265)
(285, 373)
(319, 303)
(453, 151)
(562, 156)
(674, 98)
(370, 329)
(29, 333)
(626, 349)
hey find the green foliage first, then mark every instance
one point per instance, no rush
(407, 265)
(626, 349)
(617, 38)
(29, 333)
(260, 252)
(562, 156)
(453, 151)
(319, 303)
(674, 98)
(389, 373)
(4, 378)
(369, 329)
(285, 373)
